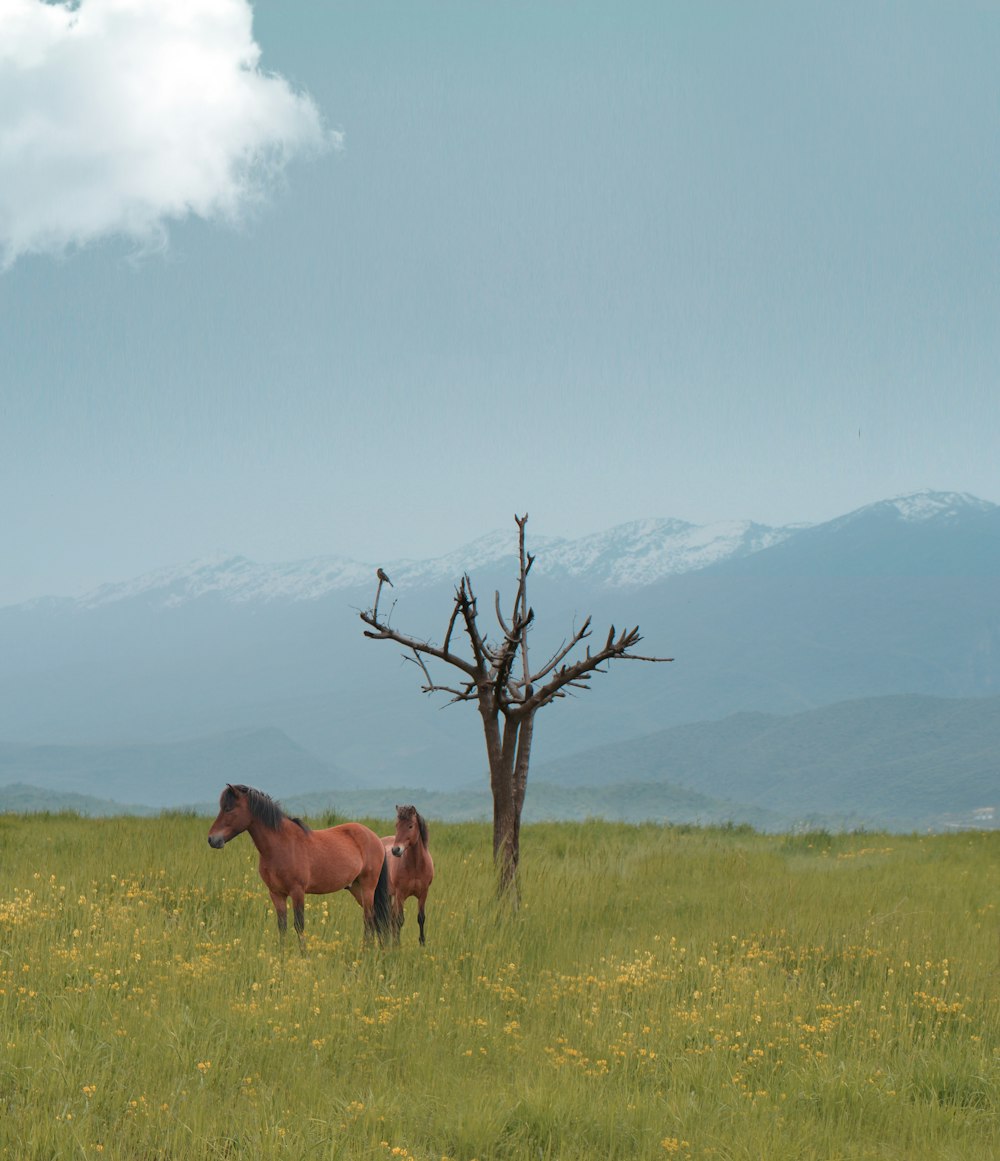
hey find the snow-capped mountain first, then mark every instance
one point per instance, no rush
(630, 555)
(645, 551)
(627, 556)
(920, 508)
(235, 578)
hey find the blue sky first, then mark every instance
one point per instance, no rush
(366, 279)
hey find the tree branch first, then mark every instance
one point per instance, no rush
(433, 686)
(466, 601)
(500, 621)
(577, 674)
(506, 689)
(563, 651)
(521, 610)
(451, 626)
(380, 631)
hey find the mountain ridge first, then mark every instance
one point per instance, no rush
(901, 759)
(170, 774)
(630, 555)
(895, 763)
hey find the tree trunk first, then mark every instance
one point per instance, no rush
(525, 736)
(508, 781)
(506, 810)
(506, 846)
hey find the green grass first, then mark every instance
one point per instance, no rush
(661, 992)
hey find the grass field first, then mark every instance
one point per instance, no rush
(660, 993)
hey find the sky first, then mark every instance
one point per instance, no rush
(364, 280)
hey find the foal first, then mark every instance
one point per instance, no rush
(411, 867)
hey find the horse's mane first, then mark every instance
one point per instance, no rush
(405, 812)
(263, 807)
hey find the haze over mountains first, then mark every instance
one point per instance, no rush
(157, 690)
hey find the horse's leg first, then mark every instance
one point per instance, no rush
(365, 897)
(396, 915)
(373, 892)
(299, 916)
(421, 900)
(281, 913)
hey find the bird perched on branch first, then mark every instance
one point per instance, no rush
(380, 573)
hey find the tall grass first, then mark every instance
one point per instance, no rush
(660, 992)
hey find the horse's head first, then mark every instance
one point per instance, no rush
(410, 830)
(234, 815)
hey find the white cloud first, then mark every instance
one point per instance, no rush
(118, 116)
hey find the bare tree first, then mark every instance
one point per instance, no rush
(498, 676)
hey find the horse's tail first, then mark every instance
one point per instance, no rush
(383, 901)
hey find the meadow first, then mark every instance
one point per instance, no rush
(660, 993)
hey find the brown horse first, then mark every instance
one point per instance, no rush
(296, 861)
(411, 868)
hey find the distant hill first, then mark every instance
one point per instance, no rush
(18, 798)
(166, 775)
(627, 802)
(635, 802)
(895, 761)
